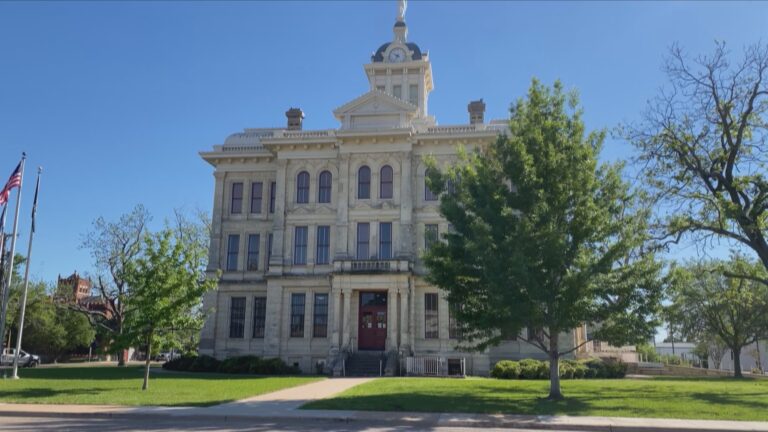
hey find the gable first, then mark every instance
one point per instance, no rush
(375, 110)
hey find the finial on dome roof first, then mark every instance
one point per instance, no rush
(402, 5)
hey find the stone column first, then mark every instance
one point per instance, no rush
(392, 318)
(278, 226)
(412, 328)
(405, 343)
(336, 322)
(346, 329)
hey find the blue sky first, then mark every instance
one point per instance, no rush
(115, 99)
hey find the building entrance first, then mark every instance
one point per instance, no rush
(372, 327)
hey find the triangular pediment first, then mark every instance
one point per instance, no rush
(375, 109)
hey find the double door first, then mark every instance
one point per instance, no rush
(372, 324)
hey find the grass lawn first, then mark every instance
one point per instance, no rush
(122, 386)
(700, 398)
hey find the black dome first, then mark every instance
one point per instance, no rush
(379, 55)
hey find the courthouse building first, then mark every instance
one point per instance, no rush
(318, 234)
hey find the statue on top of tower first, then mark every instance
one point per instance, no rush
(402, 5)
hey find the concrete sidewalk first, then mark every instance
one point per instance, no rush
(284, 406)
(612, 424)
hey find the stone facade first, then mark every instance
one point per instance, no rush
(318, 234)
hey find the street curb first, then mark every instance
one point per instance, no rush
(420, 419)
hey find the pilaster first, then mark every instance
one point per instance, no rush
(278, 227)
(342, 209)
(214, 249)
(406, 207)
(274, 318)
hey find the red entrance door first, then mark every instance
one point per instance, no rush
(372, 328)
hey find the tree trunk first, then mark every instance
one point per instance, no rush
(120, 358)
(146, 362)
(737, 362)
(554, 368)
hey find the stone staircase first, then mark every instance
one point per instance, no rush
(366, 363)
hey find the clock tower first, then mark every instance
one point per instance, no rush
(400, 69)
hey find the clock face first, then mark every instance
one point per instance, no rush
(397, 55)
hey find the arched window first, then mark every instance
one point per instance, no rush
(302, 187)
(324, 187)
(364, 182)
(385, 189)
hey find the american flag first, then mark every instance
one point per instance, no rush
(13, 181)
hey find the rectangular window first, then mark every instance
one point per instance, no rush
(269, 250)
(385, 240)
(430, 235)
(323, 245)
(297, 315)
(454, 330)
(233, 246)
(428, 194)
(256, 193)
(259, 316)
(237, 317)
(430, 316)
(397, 91)
(363, 238)
(380, 88)
(237, 198)
(300, 245)
(320, 322)
(272, 192)
(252, 261)
(413, 94)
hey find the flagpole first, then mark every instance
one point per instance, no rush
(13, 252)
(26, 281)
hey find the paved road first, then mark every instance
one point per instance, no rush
(44, 424)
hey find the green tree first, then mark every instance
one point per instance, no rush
(708, 303)
(703, 148)
(49, 330)
(167, 283)
(543, 236)
(113, 245)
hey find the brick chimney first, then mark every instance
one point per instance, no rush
(295, 117)
(476, 112)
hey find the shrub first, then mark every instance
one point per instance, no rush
(238, 365)
(506, 369)
(182, 363)
(570, 369)
(530, 369)
(615, 369)
(274, 366)
(204, 363)
(605, 369)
